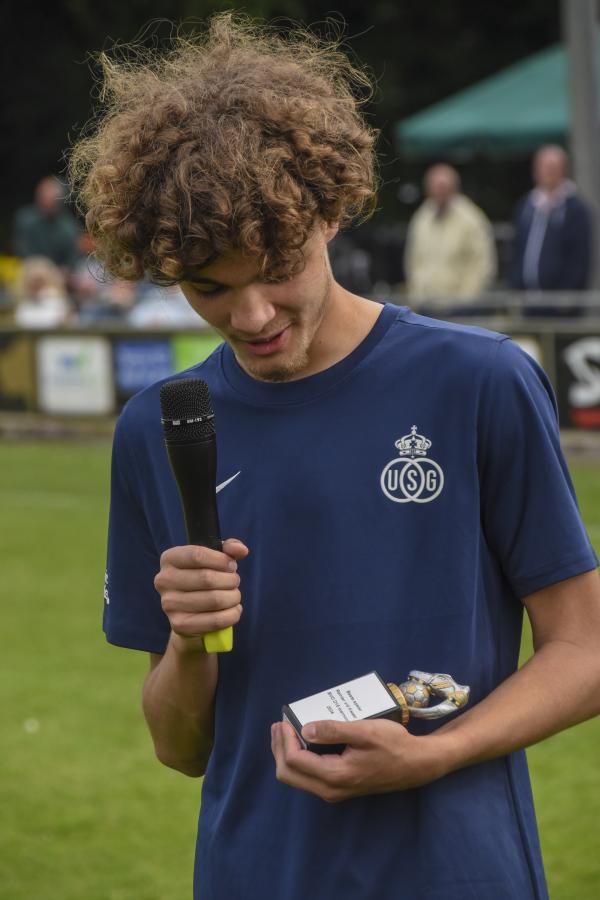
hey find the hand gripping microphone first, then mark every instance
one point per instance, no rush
(189, 428)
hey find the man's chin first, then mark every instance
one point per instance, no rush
(274, 370)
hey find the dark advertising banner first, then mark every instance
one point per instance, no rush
(140, 362)
(578, 377)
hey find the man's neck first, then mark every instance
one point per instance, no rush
(346, 323)
(552, 196)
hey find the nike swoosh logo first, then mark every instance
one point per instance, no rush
(229, 480)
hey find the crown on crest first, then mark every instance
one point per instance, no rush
(413, 444)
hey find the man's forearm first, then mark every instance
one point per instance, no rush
(178, 698)
(558, 687)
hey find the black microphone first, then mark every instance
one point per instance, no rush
(189, 427)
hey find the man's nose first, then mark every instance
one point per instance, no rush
(251, 311)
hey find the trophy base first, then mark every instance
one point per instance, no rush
(367, 697)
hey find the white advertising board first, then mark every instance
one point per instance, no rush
(74, 375)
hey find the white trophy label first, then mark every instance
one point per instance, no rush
(358, 699)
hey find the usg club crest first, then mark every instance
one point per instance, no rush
(412, 477)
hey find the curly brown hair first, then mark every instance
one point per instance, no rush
(241, 138)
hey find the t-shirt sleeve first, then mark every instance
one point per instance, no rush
(530, 516)
(133, 616)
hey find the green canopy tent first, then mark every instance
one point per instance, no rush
(507, 114)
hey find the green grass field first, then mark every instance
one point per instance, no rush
(86, 811)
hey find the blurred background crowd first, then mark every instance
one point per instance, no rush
(448, 257)
(488, 215)
(53, 280)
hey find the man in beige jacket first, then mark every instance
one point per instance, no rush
(450, 251)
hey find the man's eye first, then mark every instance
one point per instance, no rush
(208, 292)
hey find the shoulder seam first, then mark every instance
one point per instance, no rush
(494, 336)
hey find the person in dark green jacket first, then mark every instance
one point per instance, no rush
(47, 227)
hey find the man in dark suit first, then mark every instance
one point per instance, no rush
(553, 230)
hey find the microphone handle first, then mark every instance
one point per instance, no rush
(194, 467)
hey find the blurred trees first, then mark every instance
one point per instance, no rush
(418, 52)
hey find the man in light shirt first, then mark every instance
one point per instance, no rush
(450, 251)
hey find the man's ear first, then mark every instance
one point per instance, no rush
(330, 229)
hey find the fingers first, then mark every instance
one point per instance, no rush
(233, 547)
(302, 762)
(194, 624)
(200, 601)
(177, 580)
(193, 557)
(326, 776)
(199, 587)
(328, 731)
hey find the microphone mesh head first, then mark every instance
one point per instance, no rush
(186, 411)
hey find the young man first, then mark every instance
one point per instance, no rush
(395, 486)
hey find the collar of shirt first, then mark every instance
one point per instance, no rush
(544, 200)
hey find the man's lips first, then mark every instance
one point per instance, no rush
(271, 344)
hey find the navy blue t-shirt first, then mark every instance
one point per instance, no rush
(397, 507)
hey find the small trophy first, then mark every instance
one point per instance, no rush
(370, 697)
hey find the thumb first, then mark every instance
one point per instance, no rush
(329, 731)
(234, 548)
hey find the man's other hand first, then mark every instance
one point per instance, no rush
(380, 756)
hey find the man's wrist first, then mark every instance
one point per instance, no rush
(187, 647)
(454, 747)
(443, 752)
